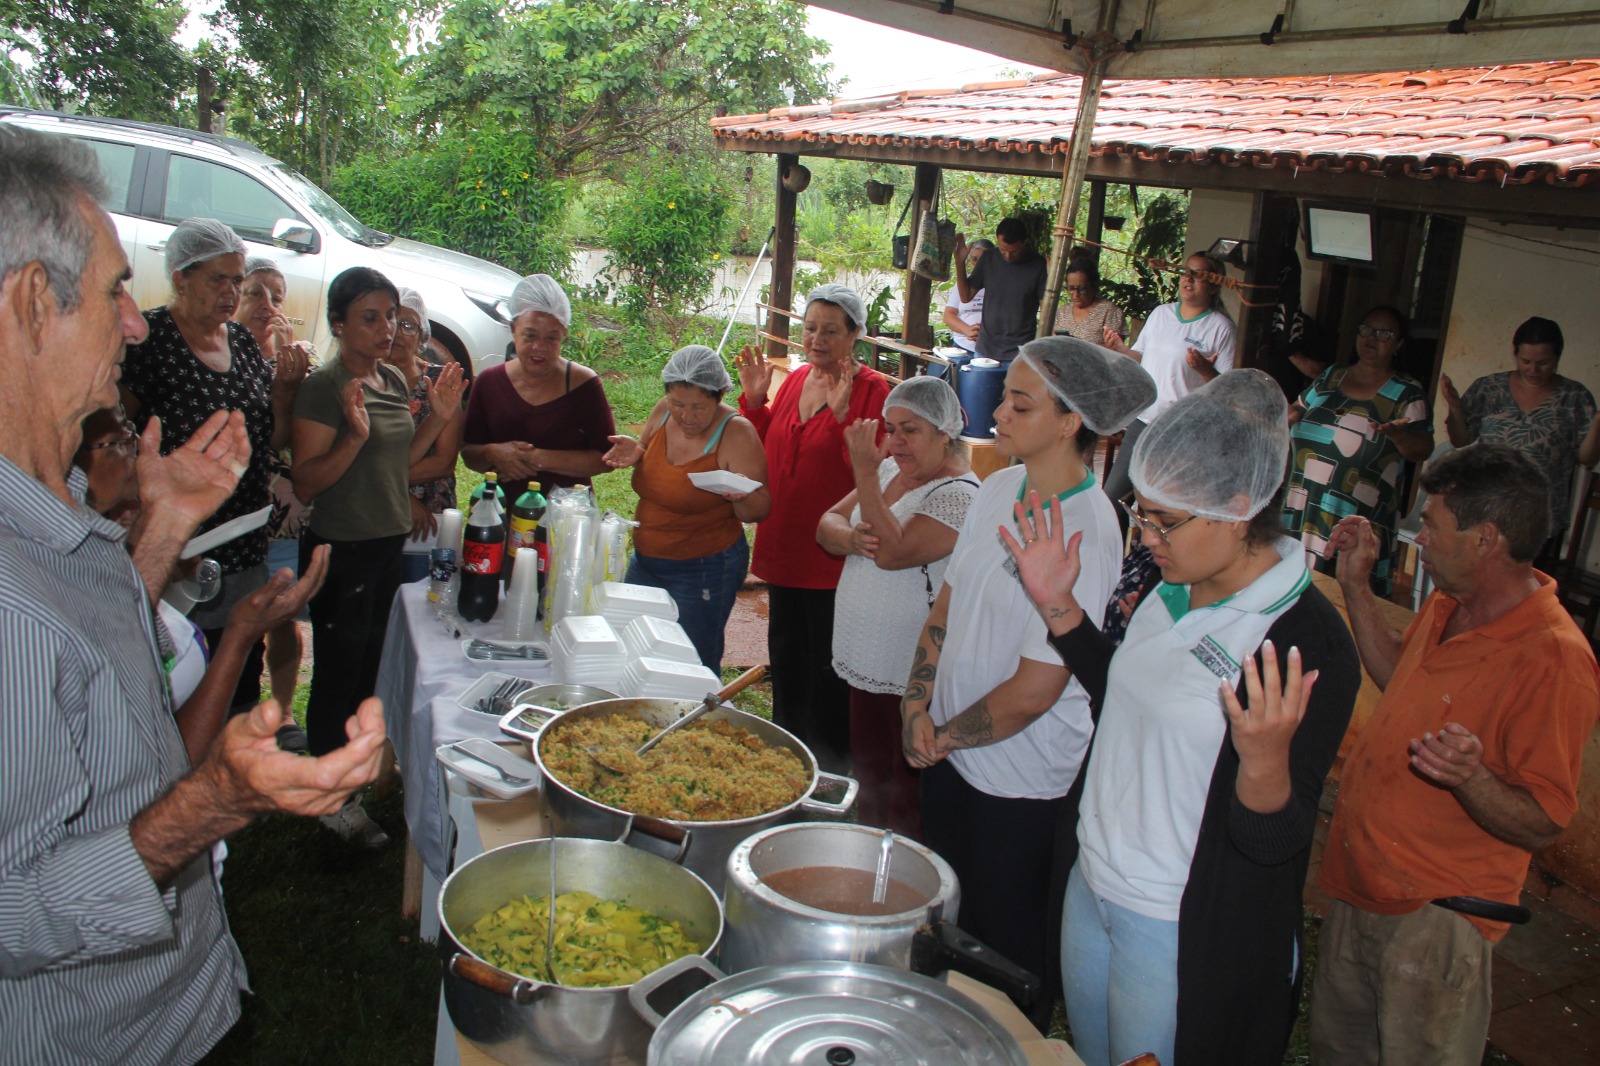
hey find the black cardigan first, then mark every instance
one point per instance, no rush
(1240, 918)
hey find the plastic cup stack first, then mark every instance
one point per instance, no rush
(522, 604)
(572, 545)
(451, 523)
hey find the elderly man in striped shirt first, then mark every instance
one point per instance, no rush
(113, 945)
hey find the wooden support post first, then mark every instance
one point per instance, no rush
(1094, 229)
(915, 328)
(781, 292)
(205, 90)
(1071, 182)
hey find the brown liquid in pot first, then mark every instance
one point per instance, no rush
(843, 890)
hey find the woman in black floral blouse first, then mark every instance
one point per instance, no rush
(196, 362)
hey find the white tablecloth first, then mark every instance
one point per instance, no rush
(422, 673)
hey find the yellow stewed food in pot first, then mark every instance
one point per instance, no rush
(599, 943)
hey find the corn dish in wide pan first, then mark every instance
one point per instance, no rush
(598, 944)
(709, 771)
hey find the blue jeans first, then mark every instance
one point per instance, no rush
(704, 590)
(1119, 971)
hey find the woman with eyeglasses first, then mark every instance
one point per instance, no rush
(1216, 722)
(433, 477)
(195, 362)
(1182, 346)
(995, 722)
(1085, 315)
(1351, 431)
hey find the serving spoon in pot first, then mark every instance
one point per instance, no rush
(712, 701)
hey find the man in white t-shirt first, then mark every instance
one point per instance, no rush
(964, 317)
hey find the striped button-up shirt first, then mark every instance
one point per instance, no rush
(97, 964)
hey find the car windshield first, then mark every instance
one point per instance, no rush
(331, 210)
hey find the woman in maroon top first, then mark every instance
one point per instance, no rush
(808, 471)
(539, 417)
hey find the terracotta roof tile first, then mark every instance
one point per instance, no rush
(1521, 122)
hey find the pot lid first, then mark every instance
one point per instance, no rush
(831, 1014)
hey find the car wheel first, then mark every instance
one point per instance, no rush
(446, 345)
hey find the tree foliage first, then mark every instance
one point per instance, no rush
(598, 81)
(104, 57)
(664, 239)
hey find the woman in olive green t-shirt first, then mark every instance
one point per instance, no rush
(353, 445)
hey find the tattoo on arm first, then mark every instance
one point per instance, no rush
(972, 728)
(937, 634)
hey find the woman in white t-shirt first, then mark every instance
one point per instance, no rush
(1180, 930)
(896, 530)
(1183, 345)
(997, 724)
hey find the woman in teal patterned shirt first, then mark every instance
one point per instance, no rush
(1351, 432)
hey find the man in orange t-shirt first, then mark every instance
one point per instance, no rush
(1469, 765)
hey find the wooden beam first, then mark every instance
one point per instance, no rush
(919, 290)
(1534, 205)
(781, 292)
(1094, 227)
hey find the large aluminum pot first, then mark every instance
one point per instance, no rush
(520, 1020)
(767, 928)
(815, 1012)
(710, 843)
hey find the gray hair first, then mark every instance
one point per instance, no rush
(42, 180)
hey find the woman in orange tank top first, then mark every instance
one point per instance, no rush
(690, 540)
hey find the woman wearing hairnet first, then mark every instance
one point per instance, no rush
(197, 362)
(432, 477)
(538, 417)
(1180, 933)
(896, 531)
(807, 472)
(997, 724)
(690, 541)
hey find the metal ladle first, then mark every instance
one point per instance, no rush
(712, 701)
(880, 880)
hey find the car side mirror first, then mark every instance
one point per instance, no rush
(295, 234)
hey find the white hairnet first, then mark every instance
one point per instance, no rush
(540, 292)
(846, 299)
(930, 399)
(1220, 452)
(697, 365)
(257, 263)
(194, 240)
(1106, 388)
(412, 299)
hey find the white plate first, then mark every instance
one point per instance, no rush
(721, 481)
(237, 527)
(471, 766)
(519, 664)
(484, 687)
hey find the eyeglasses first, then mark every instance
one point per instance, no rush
(127, 443)
(408, 328)
(1366, 332)
(1163, 533)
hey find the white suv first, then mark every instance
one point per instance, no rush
(160, 175)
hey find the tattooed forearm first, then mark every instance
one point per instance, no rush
(937, 633)
(916, 692)
(972, 728)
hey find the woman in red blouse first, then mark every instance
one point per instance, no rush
(808, 471)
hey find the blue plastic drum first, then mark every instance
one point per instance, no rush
(980, 384)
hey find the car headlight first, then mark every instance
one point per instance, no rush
(496, 307)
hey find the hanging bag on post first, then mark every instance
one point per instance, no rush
(902, 242)
(936, 241)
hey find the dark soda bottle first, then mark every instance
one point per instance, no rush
(490, 487)
(521, 545)
(483, 547)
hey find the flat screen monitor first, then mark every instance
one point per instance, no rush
(1340, 233)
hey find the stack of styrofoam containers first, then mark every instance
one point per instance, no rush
(668, 679)
(621, 603)
(657, 638)
(585, 650)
